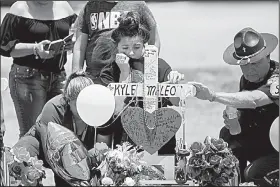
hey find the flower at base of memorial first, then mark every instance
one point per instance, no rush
(197, 148)
(97, 153)
(20, 154)
(216, 145)
(122, 162)
(26, 170)
(211, 162)
(123, 166)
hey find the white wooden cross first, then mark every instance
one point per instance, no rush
(150, 90)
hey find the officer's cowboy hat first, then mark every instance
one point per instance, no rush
(249, 46)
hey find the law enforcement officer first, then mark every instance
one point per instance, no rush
(257, 102)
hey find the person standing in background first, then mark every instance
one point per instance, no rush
(98, 18)
(36, 74)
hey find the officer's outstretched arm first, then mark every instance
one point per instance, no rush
(245, 99)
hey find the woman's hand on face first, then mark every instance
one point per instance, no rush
(174, 77)
(44, 54)
(122, 62)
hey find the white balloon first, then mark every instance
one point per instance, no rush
(4, 84)
(274, 134)
(95, 105)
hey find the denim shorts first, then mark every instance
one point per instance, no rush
(30, 89)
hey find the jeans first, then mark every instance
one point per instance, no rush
(30, 89)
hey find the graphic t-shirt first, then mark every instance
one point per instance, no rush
(99, 17)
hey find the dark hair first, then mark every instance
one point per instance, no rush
(129, 26)
(104, 51)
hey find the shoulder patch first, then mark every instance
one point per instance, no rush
(272, 79)
(274, 88)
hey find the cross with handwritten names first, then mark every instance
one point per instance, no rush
(151, 90)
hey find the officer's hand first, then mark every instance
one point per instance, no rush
(232, 124)
(202, 91)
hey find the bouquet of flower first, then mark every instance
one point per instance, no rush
(26, 170)
(211, 163)
(122, 166)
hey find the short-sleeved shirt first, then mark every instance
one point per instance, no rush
(256, 123)
(99, 17)
(17, 29)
